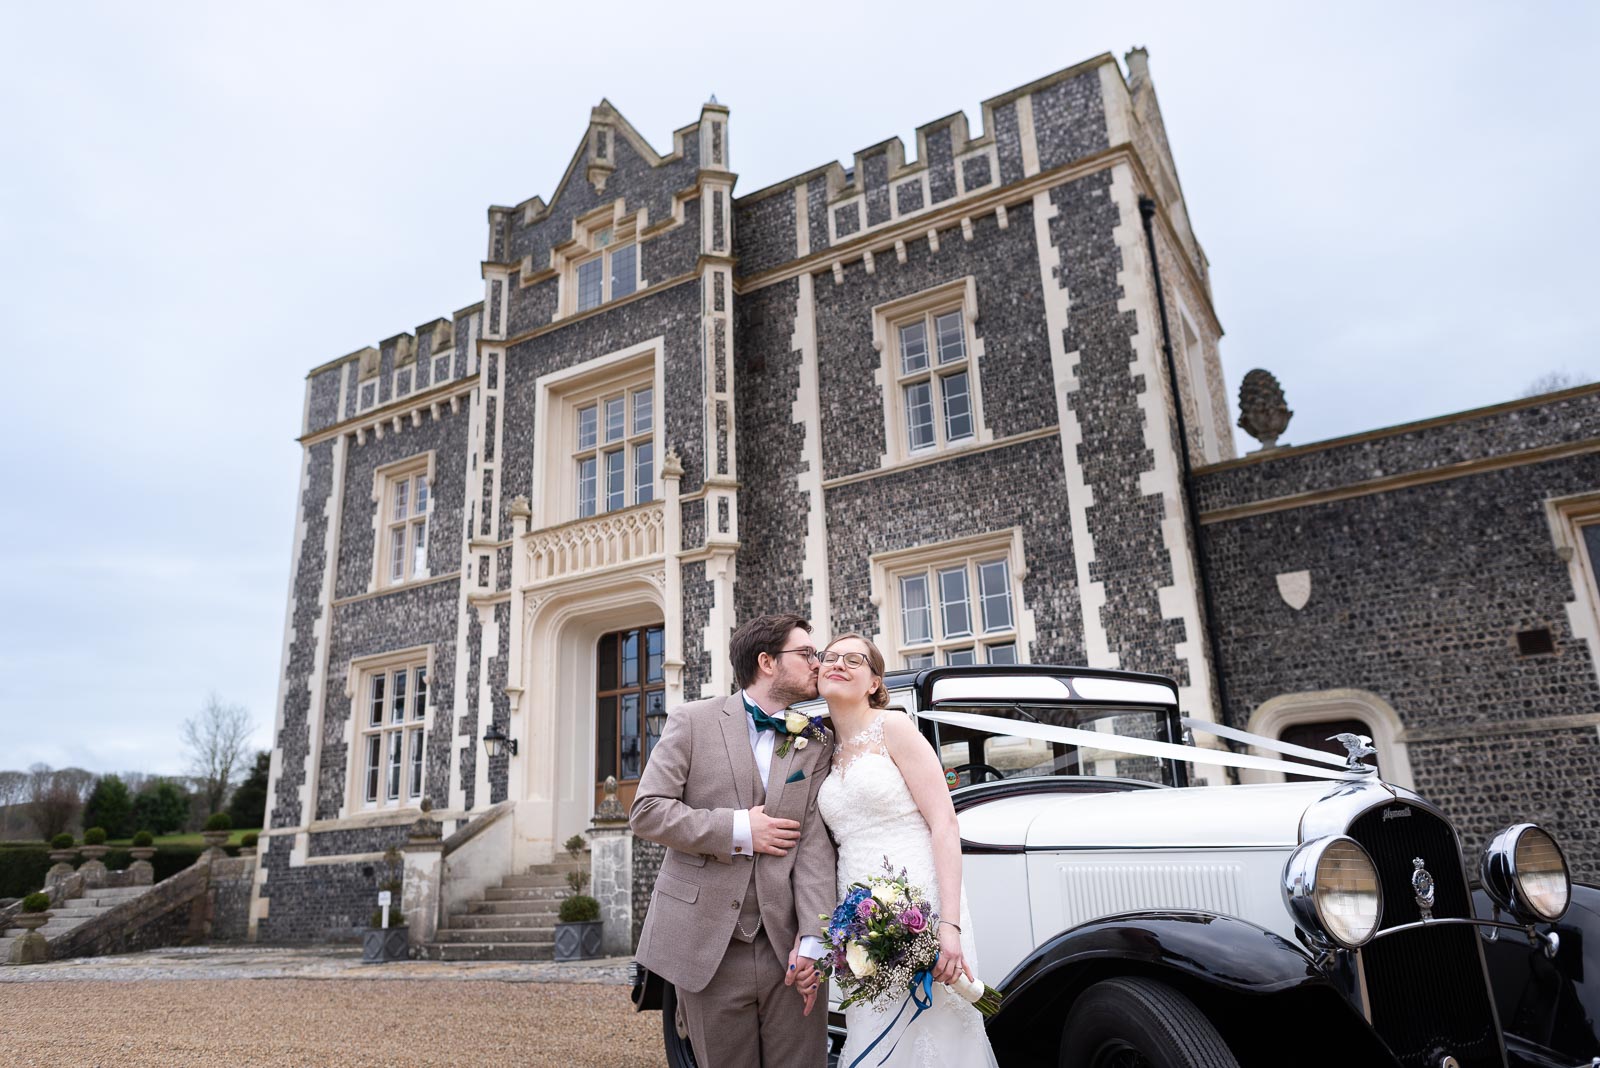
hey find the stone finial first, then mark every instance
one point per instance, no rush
(671, 466)
(610, 809)
(521, 508)
(1263, 413)
(426, 827)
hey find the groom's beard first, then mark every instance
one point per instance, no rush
(788, 690)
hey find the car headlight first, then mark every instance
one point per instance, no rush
(1525, 872)
(1331, 887)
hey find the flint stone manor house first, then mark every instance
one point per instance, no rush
(966, 400)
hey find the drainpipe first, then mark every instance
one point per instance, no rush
(1147, 212)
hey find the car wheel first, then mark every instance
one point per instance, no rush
(680, 1053)
(1140, 1023)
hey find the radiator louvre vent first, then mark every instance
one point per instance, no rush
(1092, 891)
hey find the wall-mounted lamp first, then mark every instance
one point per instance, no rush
(495, 742)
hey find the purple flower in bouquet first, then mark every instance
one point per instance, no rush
(864, 908)
(913, 919)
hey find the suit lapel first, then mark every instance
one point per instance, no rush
(741, 762)
(778, 774)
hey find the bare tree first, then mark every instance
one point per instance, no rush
(13, 791)
(53, 800)
(1551, 381)
(217, 742)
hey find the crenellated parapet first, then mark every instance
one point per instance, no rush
(361, 385)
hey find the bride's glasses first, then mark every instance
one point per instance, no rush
(849, 660)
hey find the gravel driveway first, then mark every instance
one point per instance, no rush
(240, 1006)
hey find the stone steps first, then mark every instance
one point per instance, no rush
(513, 921)
(509, 908)
(74, 913)
(528, 936)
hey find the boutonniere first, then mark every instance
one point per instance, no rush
(800, 731)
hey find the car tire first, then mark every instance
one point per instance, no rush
(1140, 1023)
(680, 1051)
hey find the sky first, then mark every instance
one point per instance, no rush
(199, 203)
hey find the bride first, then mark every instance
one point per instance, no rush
(886, 798)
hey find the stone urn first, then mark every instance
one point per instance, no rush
(94, 867)
(144, 873)
(215, 839)
(31, 948)
(62, 867)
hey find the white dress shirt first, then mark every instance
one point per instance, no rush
(762, 743)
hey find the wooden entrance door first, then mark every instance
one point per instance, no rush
(630, 707)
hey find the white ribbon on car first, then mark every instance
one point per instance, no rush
(1234, 734)
(1124, 746)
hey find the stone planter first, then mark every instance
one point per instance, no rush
(215, 839)
(93, 868)
(31, 948)
(143, 853)
(94, 852)
(64, 856)
(247, 851)
(385, 945)
(578, 941)
(144, 873)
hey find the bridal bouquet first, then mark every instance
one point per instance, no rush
(882, 939)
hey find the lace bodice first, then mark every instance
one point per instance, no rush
(870, 811)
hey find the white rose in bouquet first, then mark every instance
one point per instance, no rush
(860, 964)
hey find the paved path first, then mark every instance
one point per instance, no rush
(321, 1008)
(303, 962)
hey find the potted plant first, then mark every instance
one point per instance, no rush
(379, 944)
(94, 843)
(32, 948)
(218, 827)
(577, 935)
(144, 846)
(61, 848)
(247, 843)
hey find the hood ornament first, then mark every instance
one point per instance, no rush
(1422, 887)
(1356, 746)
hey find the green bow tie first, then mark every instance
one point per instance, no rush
(763, 721)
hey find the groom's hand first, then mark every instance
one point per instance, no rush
(773, 835)
(802, 975)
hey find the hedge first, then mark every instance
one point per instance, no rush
(23, 865)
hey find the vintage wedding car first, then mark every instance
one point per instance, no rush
(1132, 919)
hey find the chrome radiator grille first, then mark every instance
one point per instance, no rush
(1427, 988)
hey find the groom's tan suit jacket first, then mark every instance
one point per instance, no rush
(700, 771)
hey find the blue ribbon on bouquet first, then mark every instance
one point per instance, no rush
(922, 996)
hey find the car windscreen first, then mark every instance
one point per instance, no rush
(971, 755)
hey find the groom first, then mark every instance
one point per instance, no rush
(749, 867)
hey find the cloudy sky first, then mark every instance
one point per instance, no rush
(198, 203)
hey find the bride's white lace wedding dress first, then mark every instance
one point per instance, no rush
(869, 809)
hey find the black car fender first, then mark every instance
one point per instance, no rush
(1239, 973)
(1551, 1004)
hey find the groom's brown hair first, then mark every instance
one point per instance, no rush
(763, 634)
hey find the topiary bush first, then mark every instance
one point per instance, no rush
(578, 881)
(579, 908)
(94, 836)
(144, 840)
(249, 839)
(574, 845)
(219, 821)
(36, 902)
(63, 841)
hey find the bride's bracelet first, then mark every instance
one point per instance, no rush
(957, 926)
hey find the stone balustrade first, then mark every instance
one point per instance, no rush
(598, 543)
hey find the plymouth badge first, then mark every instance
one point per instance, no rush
(1422, 886)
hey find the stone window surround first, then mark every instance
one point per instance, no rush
(1383, 726)
(559, 395)
(957, 294)
(1195, 369)
(358, 674)
(383, 479)
(887, 567)
(565, 258)
(1568, 516)
(625, 390)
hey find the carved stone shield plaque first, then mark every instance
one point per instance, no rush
(1295, 588)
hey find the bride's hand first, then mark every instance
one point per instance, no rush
(951, 963)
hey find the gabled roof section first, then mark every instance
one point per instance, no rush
(595, 155)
